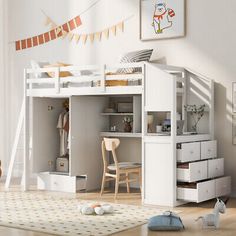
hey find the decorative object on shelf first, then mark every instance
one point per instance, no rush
(113, 128)
(213, 219)
(161, 19)
(196, 113)
(127, 120)
(159, 128)
(150, 119)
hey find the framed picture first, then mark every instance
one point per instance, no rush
(234, 97)
(160, 19)
(234, 129)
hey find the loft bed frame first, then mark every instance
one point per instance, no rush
(160, 88)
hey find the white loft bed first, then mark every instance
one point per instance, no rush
(156, 88)
(100, 79)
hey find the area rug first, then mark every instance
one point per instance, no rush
(57, 215)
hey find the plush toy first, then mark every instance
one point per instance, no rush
(213, 219)
(95, 209)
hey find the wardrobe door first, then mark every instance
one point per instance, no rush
(45, 135)
(86, 123)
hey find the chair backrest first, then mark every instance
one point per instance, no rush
(110, 144)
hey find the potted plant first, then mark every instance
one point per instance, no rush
(196, 113)
(127, 120)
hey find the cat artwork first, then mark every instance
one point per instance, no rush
(162, 17)
(213, 219)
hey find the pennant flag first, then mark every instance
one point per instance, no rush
(113, 29)
(47, 21)
(64, 34)
(91, 37)
(76, 37)
(53, 26)
(106, 33)
(71, 35)
(120, 26)
(84, 38)
(98, 36)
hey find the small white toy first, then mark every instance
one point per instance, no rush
(95, 209)
(213, 219)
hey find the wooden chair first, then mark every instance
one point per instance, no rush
(119, 171)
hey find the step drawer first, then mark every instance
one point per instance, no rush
(61, 183)
(223, 186)
(215, 167)
(208, 149)
(187, 152)
(201, 192)
(192, 172)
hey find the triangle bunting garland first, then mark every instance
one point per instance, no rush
(65, 30)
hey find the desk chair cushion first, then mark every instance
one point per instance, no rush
(124, 165)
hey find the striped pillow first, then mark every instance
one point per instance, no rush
(135, 56)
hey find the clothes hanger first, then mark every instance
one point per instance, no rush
(66, 105)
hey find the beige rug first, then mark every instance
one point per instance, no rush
(53, 214)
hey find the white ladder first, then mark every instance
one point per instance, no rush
(21, 121)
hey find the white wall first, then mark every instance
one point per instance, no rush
(209, 48)
(3, 73)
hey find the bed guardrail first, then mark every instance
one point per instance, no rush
(61, 79)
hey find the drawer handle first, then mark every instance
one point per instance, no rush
(55, 183)
(206, 191)
(209, 150)
(199, 171)
(191, 152)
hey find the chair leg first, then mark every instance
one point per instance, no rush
(127, 182)
(117, 184)
(103, 183)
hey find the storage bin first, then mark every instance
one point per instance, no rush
(62, 164)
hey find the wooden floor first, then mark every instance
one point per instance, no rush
(188, 214)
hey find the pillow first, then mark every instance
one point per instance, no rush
(36, 65)
(62, 73)
(135, 56)
(166, 222)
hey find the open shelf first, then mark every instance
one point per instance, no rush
(121, 134)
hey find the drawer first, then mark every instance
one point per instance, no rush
(192, 172)
(61, 183)
(208, 149)
(198, 192)
(223, 186)
(187, 152)
(215, 167)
